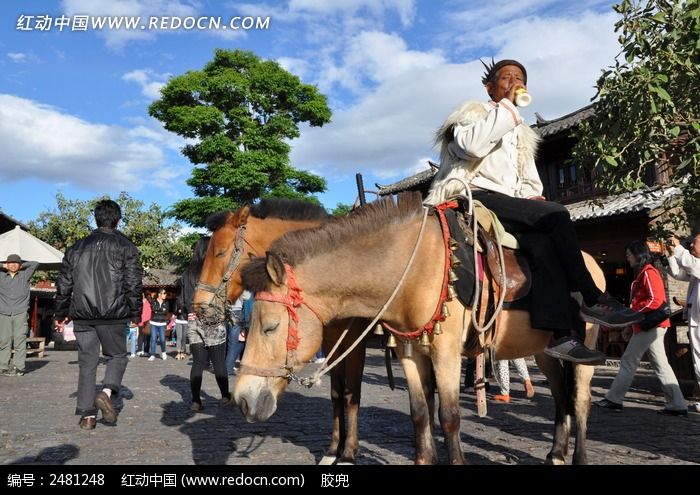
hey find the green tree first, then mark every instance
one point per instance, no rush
(648, 108)
(341, 209)
(159, 242)
(240, 111)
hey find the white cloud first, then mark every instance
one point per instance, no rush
(390, 128)
(117, 38)
(378, 57)
(17, 57)
(405, 9)
(297, 66)
(42, 142)
(150, 82)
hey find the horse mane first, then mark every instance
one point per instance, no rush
(296, 246)
(288, 209)
(280, 208)
(217, 220)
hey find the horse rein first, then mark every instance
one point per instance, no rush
(221, 290)
(292, 300)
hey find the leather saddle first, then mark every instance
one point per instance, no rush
(517, 269)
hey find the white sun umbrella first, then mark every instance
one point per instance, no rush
(29, 248)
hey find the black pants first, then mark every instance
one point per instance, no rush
(546, 235)
(112, 339)
(200, 358)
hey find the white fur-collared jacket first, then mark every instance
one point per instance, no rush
(488, 146)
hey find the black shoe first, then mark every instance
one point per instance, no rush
(19, 372)
(673, 412)
(570, 349)
(104, 403)
(609, 312)
(606, 404)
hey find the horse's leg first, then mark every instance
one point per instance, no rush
(354, 369)
(417, 370)
(331, 335)
(447, 362)
(582, 398)
(582, 407)
(553, 370)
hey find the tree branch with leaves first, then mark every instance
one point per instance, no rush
(647, 120)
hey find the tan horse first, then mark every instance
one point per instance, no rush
(349, 268)
(253, 229)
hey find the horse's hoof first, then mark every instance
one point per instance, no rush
(327, 460)
(555, 461)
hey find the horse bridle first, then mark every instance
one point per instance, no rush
(215, 311)
(292, 301)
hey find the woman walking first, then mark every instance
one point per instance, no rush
(647, 295)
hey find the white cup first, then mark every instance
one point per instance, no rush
(522, 97)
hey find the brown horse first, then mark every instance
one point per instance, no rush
(249, 231)
(349, 268)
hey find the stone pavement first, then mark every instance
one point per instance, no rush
(37, 424)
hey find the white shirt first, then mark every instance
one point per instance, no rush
(238, 304)
(684, 266)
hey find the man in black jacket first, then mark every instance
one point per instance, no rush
(99, 288)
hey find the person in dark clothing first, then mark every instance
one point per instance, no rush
(206, 343)
(100, 288)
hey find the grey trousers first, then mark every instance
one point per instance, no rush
(13, 334)
(113, 341)
(653, 340)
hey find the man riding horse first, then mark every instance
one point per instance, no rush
(487, 145)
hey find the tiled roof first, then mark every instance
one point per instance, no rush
(619, 204)
(411, 183)
(546, 128)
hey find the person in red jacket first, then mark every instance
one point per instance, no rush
(647, 294)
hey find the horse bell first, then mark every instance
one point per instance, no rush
(424, 339)
(451, 293)
(445, 310)
(378, 330)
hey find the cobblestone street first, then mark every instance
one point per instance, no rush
(37, 424)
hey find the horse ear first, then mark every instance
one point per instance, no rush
(275, 269)
(241, 217)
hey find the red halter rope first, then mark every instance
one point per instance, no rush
(438, 313)
(292, 300)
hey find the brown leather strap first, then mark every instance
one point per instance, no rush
(480, 386)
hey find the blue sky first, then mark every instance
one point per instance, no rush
(73, 104)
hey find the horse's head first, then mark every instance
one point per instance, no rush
(285, 332)
(238, 235)
(220, 281)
